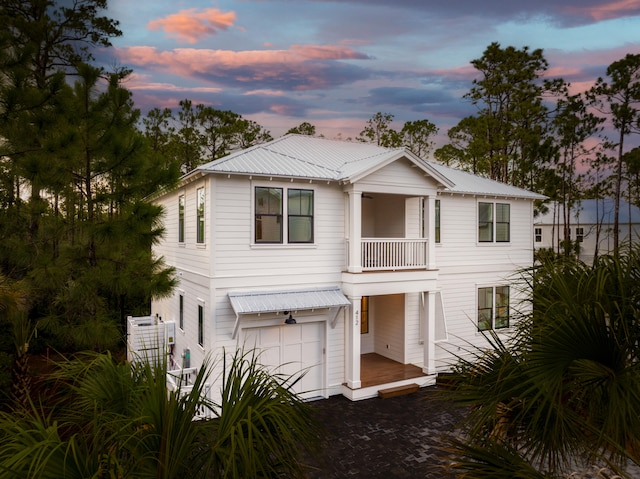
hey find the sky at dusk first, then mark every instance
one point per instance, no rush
(335, 64)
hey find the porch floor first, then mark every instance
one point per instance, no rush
(376, 370)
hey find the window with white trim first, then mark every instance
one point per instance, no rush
(270, 209)
(579, 235)
(537, 232)
(437, 206)
(181, 219)
(493, 308)
(201, 325)
(181, 312)
(200, 201)
(494, 227)
(300, 215)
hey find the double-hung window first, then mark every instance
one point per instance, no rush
(268, 227)
(200, 199)
(579, 235)
(300, 216)
(271, 209)
(494, 227)
(181, 219)
(493, 308)
(538, 234)
(437, 206)
(181, 312)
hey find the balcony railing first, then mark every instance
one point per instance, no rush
(182, 380)
(393, 253)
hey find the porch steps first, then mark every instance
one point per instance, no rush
(398, 391)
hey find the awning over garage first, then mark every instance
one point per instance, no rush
(254, 302)
(273, 301)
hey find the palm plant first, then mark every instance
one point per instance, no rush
(104, 418)
(566, 390)
(13, 310)
(262, 427)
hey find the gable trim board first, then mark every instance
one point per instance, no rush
(256, 302)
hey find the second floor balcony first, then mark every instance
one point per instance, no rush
(391, 254)
(389, 232)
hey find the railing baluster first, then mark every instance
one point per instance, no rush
(393, 253)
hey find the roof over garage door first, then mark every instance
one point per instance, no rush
(254, 302)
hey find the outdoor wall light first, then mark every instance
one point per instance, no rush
(290, 319)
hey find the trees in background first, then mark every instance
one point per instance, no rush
(619, 99)
(75, 227)
(417, 135)
(304, 128)
(572, 124)
(505, 141)
(199, 134)
(529, 128)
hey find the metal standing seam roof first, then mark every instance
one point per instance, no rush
(302, 156)
(252, 302)
(468, 183)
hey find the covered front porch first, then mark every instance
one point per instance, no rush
(379, 373)
(391, 343)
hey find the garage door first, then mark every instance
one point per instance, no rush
(291, 348)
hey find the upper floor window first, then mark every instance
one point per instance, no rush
(300, 216)
(579, 235)
(437, 205)
(493, 308)
(181, 218)
(270, 209)
(537, 232)
(268, 227)
(492, 226)
(200, 199)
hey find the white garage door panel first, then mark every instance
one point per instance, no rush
(291, 348)
(312, 344)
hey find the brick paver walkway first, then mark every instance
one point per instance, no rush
(390, 438)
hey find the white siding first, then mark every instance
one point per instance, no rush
(414, 346)
(399, 177)
(389, 313)
(459, 249)
(465, 264)
(244, 264)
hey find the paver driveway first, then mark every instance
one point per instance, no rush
(384, 438)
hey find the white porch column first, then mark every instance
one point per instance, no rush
(355, 232)
(352, 344)
(430, 332)
(431, 231)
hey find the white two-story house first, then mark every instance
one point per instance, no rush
(367, 266)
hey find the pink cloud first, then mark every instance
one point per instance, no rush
(607, 11)
(301, 67)
(192, 25)
(195, 59)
